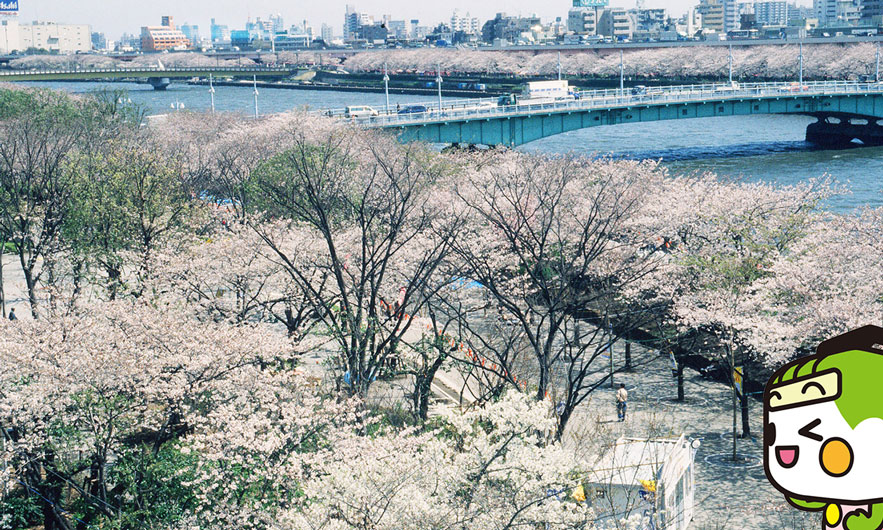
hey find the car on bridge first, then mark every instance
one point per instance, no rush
(360, 111)
(414, 109)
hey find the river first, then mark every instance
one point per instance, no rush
(768, 148)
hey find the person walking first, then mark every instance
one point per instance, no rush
(12, 314)
(622, 398)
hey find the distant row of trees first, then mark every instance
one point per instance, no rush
(178, 276)
(821, 61)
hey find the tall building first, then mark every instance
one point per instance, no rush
(327, 33)
(732, 15)
(713, 15)
(616, 23)
(277, 24)
(164, 37)
(60, 38)
(872, 12)
(776, 13)
(583, 16)
(99, 41)
(825, 11)
(191, 31)
(582, 21)
(466, 24)
(654, 19)
(220, 32)
(353, 22)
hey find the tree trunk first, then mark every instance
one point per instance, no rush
(680, 381)
(628, 356)
(32, 289)
(746, 427)
(2, 292)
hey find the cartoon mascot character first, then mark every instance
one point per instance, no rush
(823, 431)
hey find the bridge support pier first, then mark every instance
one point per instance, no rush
(159, 83)
(839, 132)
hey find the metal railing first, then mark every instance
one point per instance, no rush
(150, 69)
(468, 109)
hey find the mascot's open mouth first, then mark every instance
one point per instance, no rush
(787, 455)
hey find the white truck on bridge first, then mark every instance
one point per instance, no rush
(542, 91)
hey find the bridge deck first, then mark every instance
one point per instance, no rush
(485, 122)
(144, 72)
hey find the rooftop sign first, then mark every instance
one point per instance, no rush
(8, 7)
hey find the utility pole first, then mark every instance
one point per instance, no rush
(800, 88)
(255, 97)
(438, 81)
(559, 66)
(386, 85)
(730, 62)
(211, 91)
(609, 347)
(877, 70)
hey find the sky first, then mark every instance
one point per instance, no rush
(114, 17)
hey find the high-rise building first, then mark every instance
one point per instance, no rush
(582, 21)
(466, 24)
(353, 22)
(191, 31)
(616, 23)
(591, 4)
(872, 12)
(49, 36)
(164, 37)
(653, 19)
(825, 11)
(277, 24)
(99, 41)
(713, 15)
(220, 32)
(327, 33)
(776, 13)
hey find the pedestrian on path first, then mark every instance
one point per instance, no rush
(622, 398)
(12, 314)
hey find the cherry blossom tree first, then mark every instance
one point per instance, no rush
(82, 390)
(365, 236)
(550, 242)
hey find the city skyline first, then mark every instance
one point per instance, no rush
(115, 18)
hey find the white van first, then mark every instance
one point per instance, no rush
(360, 111)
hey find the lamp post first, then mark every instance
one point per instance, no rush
(386, 85)
(559, 66)
(877, 69)
(438, 81)
(730, 62)
(255, 96)
(621, 74)
(211, 91)
(800, 88)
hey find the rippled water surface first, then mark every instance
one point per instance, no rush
(767, 148)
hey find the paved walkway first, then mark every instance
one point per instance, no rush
(726, 496)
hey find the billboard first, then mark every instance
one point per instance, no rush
(8, 7)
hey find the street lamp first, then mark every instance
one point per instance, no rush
(438, 81)
(621, 74)
(211, 91)
(801, 67)
(877, 70)
(559, 66)
(386, 85)
(730, 62)
(255, 77)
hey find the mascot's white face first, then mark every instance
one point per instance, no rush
(811, 452)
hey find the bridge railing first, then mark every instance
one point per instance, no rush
(464, 110)
(147, 69)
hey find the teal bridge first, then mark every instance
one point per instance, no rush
(847, 112)
(158, 76)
